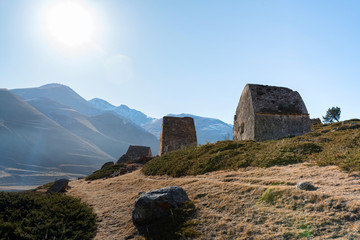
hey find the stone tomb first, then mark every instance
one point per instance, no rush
(177, 133)
(267, 112)
(135, 153)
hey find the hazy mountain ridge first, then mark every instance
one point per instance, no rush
(58, 93)
(133, 115)
(108, 131)
(207, 129)
(28, 137)
(52, 129)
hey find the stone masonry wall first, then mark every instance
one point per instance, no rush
(276, 126)
(177, 133)
(244, 119)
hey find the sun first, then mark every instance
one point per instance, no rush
(70, 23)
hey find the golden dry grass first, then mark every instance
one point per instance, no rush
(228, 202)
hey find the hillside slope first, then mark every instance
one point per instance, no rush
(250, 203)
(207, 129)
(30, 139)
(108, 131)
(58, 93)
(333, 144)
(133, 115)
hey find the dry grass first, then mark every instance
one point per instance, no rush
(230, 204)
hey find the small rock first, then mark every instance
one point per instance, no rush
(59, 186)
(115, 174)
(344, 127)
(305, 186)
(353, 125)
(123, 171)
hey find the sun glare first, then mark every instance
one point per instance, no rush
(70, 23)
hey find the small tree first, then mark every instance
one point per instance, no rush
(332, 114)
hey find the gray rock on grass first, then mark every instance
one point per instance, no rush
(153, 209)
(305, 186)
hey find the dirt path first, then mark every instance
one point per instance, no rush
(228, 202)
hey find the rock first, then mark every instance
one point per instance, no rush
(353, 125)
(344, 127)
(305, 186)
(154, 209)
(123, 171)
(59, 186)
(115, 174)
(107, 164)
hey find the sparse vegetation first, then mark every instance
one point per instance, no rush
(105, 172)
(45, 186)
(331, 144)
(31, 215)
(269, 196)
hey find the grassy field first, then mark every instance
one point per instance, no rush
(332, 144)
(248, 203)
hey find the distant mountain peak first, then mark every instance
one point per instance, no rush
(125, 107)
(59, 93)
(54, 85)
(124, 111)
(101, 104)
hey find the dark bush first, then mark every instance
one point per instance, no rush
(31, 215)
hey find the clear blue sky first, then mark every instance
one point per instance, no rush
(185, 56)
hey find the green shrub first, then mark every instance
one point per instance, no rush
(270, 196)
(31, 215)
(105, 172)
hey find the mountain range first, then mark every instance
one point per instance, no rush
(207, 129)
(51, 131)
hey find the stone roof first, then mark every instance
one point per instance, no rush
(135, 152)
(276, 100)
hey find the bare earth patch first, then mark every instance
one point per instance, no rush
(232, 204)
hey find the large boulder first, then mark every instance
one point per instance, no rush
(156, 211)
(59, 186)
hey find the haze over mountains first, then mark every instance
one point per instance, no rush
(51, 132)
(207, 129)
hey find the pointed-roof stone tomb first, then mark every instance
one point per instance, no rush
(268, 112)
